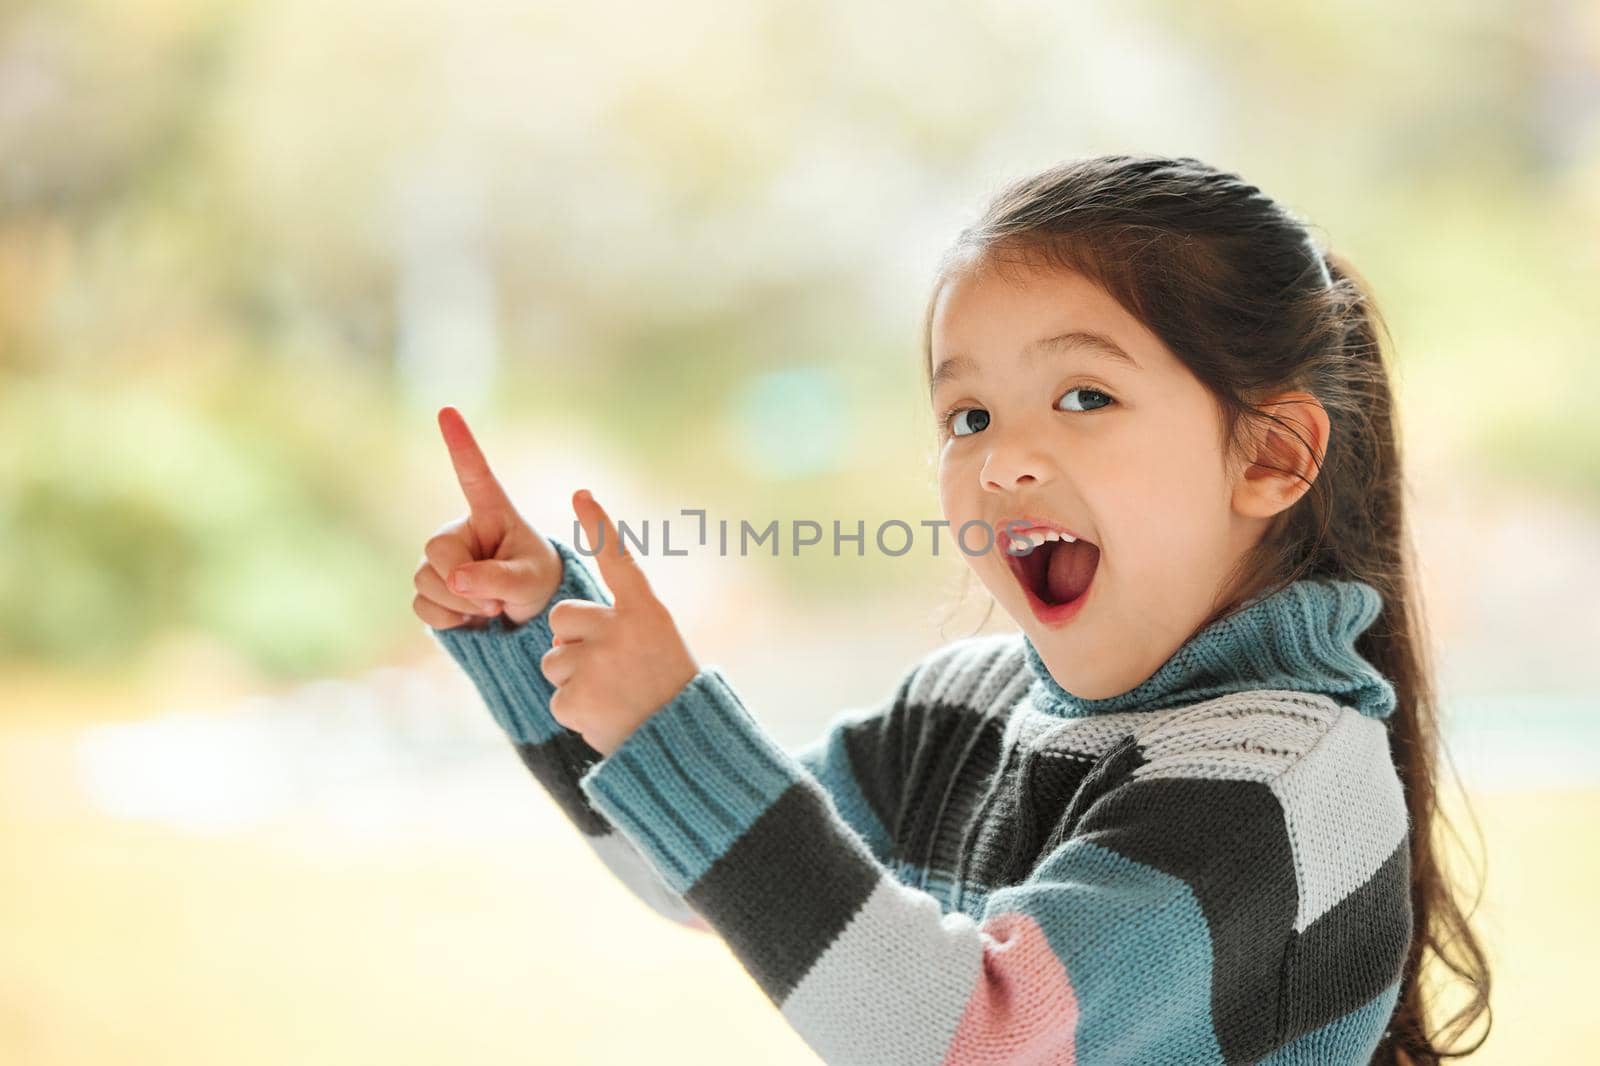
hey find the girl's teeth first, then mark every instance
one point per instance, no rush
(1035, 537)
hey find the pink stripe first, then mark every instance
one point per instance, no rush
(1024, 1009)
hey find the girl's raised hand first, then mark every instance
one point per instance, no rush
(488, 560)
(613, 666)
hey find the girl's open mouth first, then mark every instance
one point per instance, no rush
(1055, 574)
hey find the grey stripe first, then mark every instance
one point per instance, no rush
(800, 852)
(1355, 950)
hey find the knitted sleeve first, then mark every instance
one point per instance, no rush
(503, 662)
(1158, 926)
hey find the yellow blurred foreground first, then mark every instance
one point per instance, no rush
(454, 916)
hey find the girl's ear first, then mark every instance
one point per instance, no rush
(1285, 446)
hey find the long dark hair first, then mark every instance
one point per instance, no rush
(1236, 286)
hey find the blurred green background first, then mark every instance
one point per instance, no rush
(678, 255)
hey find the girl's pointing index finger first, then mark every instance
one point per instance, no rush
(617, 565)
(484, 495)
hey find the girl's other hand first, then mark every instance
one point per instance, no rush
(613, 665)
(488, 561)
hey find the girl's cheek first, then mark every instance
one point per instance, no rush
(952, 500)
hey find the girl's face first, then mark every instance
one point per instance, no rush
(1126, 452)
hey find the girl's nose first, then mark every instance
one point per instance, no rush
(1016, 464)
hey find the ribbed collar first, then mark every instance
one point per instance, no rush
(1301, 637)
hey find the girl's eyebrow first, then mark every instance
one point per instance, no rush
(1098, 344)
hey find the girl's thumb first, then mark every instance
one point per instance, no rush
(493, 580)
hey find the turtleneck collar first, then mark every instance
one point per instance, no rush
(1301, 637)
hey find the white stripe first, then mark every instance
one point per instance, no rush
(636, 873)
(1242, 736)
(985, 672)
(1346, 812)
(893, 986)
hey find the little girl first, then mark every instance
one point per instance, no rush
(1185, 815)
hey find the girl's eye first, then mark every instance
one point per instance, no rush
(1097, 401)
(978, 420)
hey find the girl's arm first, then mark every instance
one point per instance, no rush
(503, 663)
(1163, 923)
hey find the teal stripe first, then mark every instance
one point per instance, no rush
(692, 779)
(1136, 948)
(503, 666)
(503, 660)
(829, 763)
(1301, 637)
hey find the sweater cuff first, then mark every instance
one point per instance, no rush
(502, 659)
(691, 779)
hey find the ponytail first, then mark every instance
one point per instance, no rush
(1397, 645)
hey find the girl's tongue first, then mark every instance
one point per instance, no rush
(1072, 565)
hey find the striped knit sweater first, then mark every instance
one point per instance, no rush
(984, 868)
